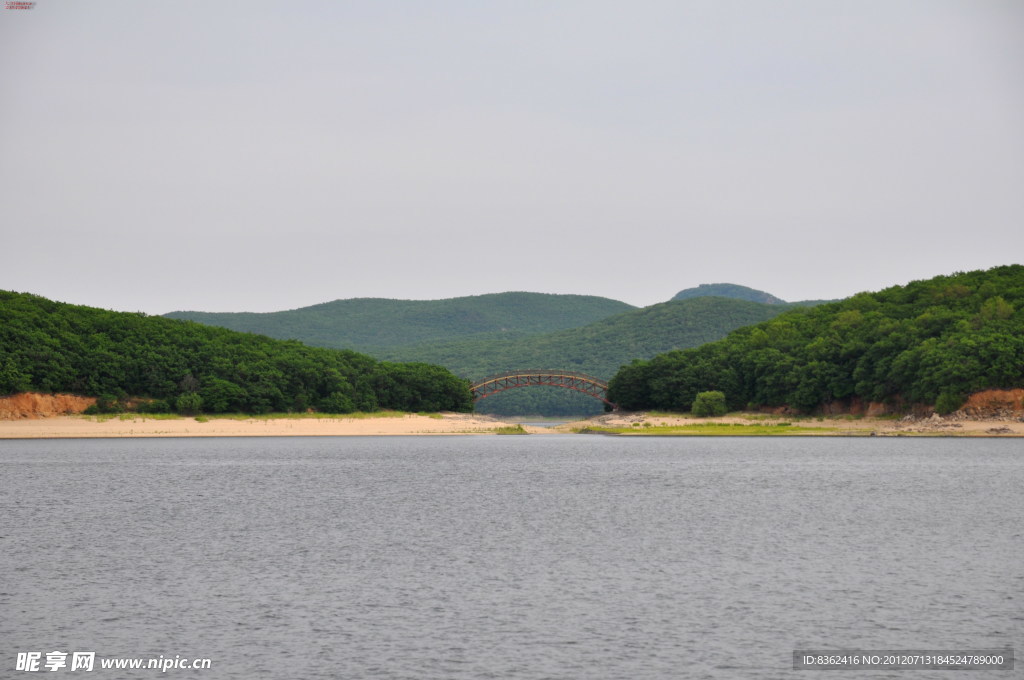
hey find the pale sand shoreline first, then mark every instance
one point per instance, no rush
(70, 427)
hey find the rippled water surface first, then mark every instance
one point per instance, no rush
(545, 556)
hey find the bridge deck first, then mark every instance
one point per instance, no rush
(573, 380)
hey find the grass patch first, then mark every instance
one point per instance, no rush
(510, 429)
(100, 417)
(104, 417)
(719, 429)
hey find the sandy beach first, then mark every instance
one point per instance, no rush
(134, 425)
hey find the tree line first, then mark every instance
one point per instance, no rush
(929, 342)
(51, 347)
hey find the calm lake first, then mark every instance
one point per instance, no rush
(544, 556)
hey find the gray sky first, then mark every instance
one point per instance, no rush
(174, 154)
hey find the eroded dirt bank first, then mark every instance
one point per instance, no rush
(995, 404)
(32, 405)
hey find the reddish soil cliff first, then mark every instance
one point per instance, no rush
(34, 405)
(995, 403)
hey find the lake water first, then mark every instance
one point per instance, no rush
(544, 422)
(544, 556)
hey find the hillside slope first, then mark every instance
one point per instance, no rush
(374, 324)
(53, 347)
(598, 349)
(929, 342)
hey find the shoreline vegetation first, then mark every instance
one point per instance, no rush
(930, 344)
(392, 423)
(136, 363)
(934, 357)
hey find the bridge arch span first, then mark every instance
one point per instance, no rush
(581, 382)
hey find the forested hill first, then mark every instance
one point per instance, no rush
(52, 347)
(478, 336)
(598, 349)
(929, 342)
(373, 324)
(482, 335)
(729, 290)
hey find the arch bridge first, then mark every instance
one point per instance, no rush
(581, 382)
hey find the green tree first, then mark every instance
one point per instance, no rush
(336, 402)
(12, 378)
(221, 396)
(709, 404)
(189, 404)
(948, 402)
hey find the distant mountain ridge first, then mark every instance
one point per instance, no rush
(374, 324)
(729, 290)
(599, 349)
(737, 292)
(480, 335)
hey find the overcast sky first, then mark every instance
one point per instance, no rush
(174, 154)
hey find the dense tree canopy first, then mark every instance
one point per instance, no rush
(54, 347)
(599, 349)
(929, 342)
(482, 335)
